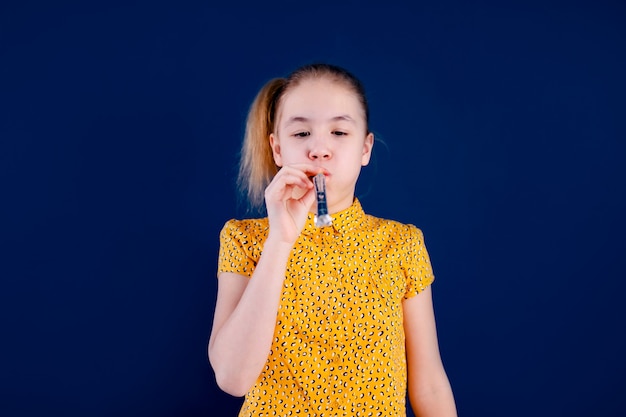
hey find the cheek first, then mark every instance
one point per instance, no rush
(292, 153)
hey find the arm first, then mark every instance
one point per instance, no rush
(245, 311)
(244, 320)
(430, 393)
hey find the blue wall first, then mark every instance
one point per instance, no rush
(503, 137)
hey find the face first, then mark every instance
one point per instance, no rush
(322, 123)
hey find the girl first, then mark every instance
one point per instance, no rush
(321, 321)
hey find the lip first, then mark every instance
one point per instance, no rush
(324, 171)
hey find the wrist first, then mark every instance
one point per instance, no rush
(277, 244)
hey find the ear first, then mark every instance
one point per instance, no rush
(278, 160)
(368, 144)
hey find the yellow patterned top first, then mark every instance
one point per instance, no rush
(338, 347)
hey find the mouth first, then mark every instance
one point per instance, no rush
(325, 174)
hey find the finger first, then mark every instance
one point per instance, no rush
(286, 180)
(308, 169)
(298, 192)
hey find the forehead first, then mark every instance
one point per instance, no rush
(320, 98)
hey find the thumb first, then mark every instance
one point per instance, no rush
(309, 198)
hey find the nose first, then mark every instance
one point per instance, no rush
(319, 148)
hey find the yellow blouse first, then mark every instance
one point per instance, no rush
(338, 346)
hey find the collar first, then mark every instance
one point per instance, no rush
(344, 221)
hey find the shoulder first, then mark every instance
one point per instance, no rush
(252, 228)
(401, 232)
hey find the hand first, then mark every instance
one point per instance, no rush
(288, 199)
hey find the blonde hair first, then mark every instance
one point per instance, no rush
(256, 165)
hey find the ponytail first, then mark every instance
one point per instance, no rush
(257, 166)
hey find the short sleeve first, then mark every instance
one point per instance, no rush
(237, 252)
(419, 271)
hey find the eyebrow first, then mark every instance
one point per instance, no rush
(302, 119)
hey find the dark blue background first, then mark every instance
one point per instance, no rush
(503, 137)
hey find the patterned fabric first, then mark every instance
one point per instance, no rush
(338, 346)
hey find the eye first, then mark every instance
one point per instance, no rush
(339, 133)
(302, 134)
